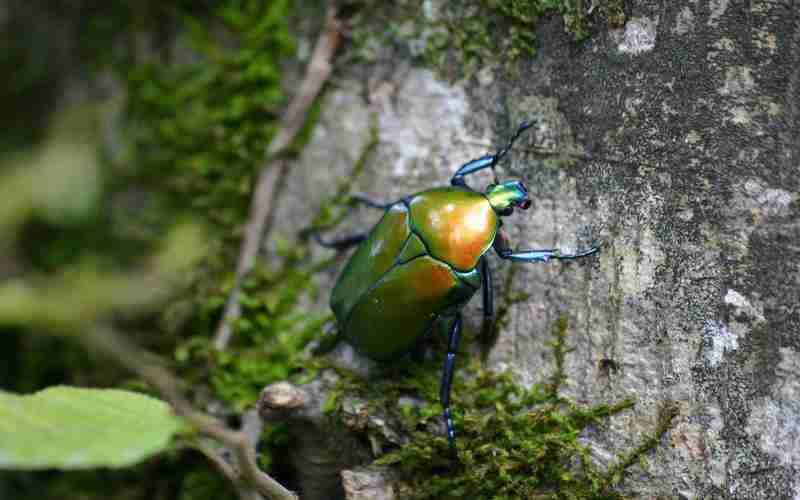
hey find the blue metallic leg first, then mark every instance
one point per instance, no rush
(487, 161)
(487, 293)
(543, 255)
(447, 379)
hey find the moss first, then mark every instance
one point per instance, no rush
(200, 124)
(200, 110)
(274, 326)
(512, 442)
(201, 484)
(560, 351)
(666, 415)
(199, 115)
(468, 34)
(271, 332)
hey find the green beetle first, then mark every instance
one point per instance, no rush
(423, 261)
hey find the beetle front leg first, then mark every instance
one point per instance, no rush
(545, 255)
(504, 251)
(487, 161)
(447, 379)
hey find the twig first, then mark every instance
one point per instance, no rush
(140, 362)
(261, 207)
(244, 491)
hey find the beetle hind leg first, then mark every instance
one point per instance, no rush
(487, 293)
(447, 379)
(341, 243)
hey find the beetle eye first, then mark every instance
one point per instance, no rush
(507, 211)
(526, 204)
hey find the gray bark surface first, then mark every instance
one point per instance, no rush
(690, 113)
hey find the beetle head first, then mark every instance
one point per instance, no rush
(505, 196)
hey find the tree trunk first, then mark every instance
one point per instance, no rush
(677, 142)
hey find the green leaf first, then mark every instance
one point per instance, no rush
(73, 428)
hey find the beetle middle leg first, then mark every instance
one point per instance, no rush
(503, 249)
(488, 161)
(447, 379)
(346, 242)
(366, 200)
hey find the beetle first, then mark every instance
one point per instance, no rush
(423, 261)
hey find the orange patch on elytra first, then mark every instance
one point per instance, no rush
(436, 281)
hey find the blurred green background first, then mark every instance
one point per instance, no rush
(121, 123)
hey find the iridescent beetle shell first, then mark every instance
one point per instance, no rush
(418, 262)
(423, 261)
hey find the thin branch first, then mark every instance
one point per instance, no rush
(139, 361)
(261, 207)
(213, 456)
(243, 490)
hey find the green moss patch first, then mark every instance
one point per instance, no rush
(468, 34)
(512, 442)
(201, 121)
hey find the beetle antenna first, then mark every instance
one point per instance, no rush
(500, 154)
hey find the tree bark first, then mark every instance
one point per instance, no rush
(686, 120)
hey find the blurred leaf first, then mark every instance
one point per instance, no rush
(73, 428)
(84, 294)
(60, 180)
